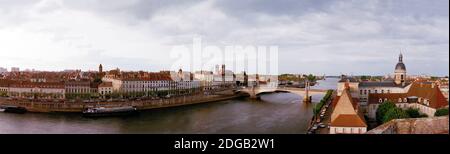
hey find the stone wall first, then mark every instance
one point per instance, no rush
(435, 125)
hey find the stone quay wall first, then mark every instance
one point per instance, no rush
(66, 106)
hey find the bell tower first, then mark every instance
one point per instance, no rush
(400, 71)
(100, 68)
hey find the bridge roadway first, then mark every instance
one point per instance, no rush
(299, 91)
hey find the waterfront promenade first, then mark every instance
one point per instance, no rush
(67, 106)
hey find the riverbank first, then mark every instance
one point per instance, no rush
(76, 107)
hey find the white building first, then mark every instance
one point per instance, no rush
(362, 89)
(105, 88)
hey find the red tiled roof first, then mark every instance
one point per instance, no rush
(393, 97)
(48, 85)
(433, 94)
(419, 89)
(147, 77)
(6, 82)
(105, 84)
(348, 120)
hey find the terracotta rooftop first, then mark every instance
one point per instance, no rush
(418, 89)
(348, 120)
(48, 85)
(106, 84)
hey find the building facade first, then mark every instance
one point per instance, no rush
(346, 117)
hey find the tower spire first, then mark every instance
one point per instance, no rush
(400, 57)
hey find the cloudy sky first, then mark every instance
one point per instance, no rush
(316, 36)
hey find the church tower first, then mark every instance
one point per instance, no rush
(100, 68)
(400, 71)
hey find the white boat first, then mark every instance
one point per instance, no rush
(113, 111)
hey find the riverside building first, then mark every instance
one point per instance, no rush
(400, 89)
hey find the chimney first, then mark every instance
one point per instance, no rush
(432, 85)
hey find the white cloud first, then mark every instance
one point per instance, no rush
(55, 34)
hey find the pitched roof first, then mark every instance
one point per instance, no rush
(348, 120)
(430, 92)
(47, 85)
(105, 84)
(344, 105)
(393, 97)
(345, 111)
(418, 89)
(6, 82)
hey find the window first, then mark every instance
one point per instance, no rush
(382, 91)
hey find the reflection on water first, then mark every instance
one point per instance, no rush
(274, 113)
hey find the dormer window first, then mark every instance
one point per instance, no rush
(399, 100)
(380, 100)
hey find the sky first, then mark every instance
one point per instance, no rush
(313, 36)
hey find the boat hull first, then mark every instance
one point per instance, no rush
(19, 110)
(110, 114)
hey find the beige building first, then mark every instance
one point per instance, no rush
(41, 90)
(424, 96)
(105, 88)
(346, 117)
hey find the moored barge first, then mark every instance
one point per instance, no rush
(109, 111)
(13, 109)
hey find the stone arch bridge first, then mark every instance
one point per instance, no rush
(255, 93)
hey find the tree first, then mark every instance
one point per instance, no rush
(413, 113)
(382, 109)
(395, 113)
(97, 80)
(441, 112)
(364, 77)
(311, 78)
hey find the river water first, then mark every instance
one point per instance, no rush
(279, 113)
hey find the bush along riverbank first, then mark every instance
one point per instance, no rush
(322, 102)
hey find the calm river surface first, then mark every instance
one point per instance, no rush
(280, 113)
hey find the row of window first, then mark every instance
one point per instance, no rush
(340, 130)
(152, 86)
(365, 92)
(78, 90)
